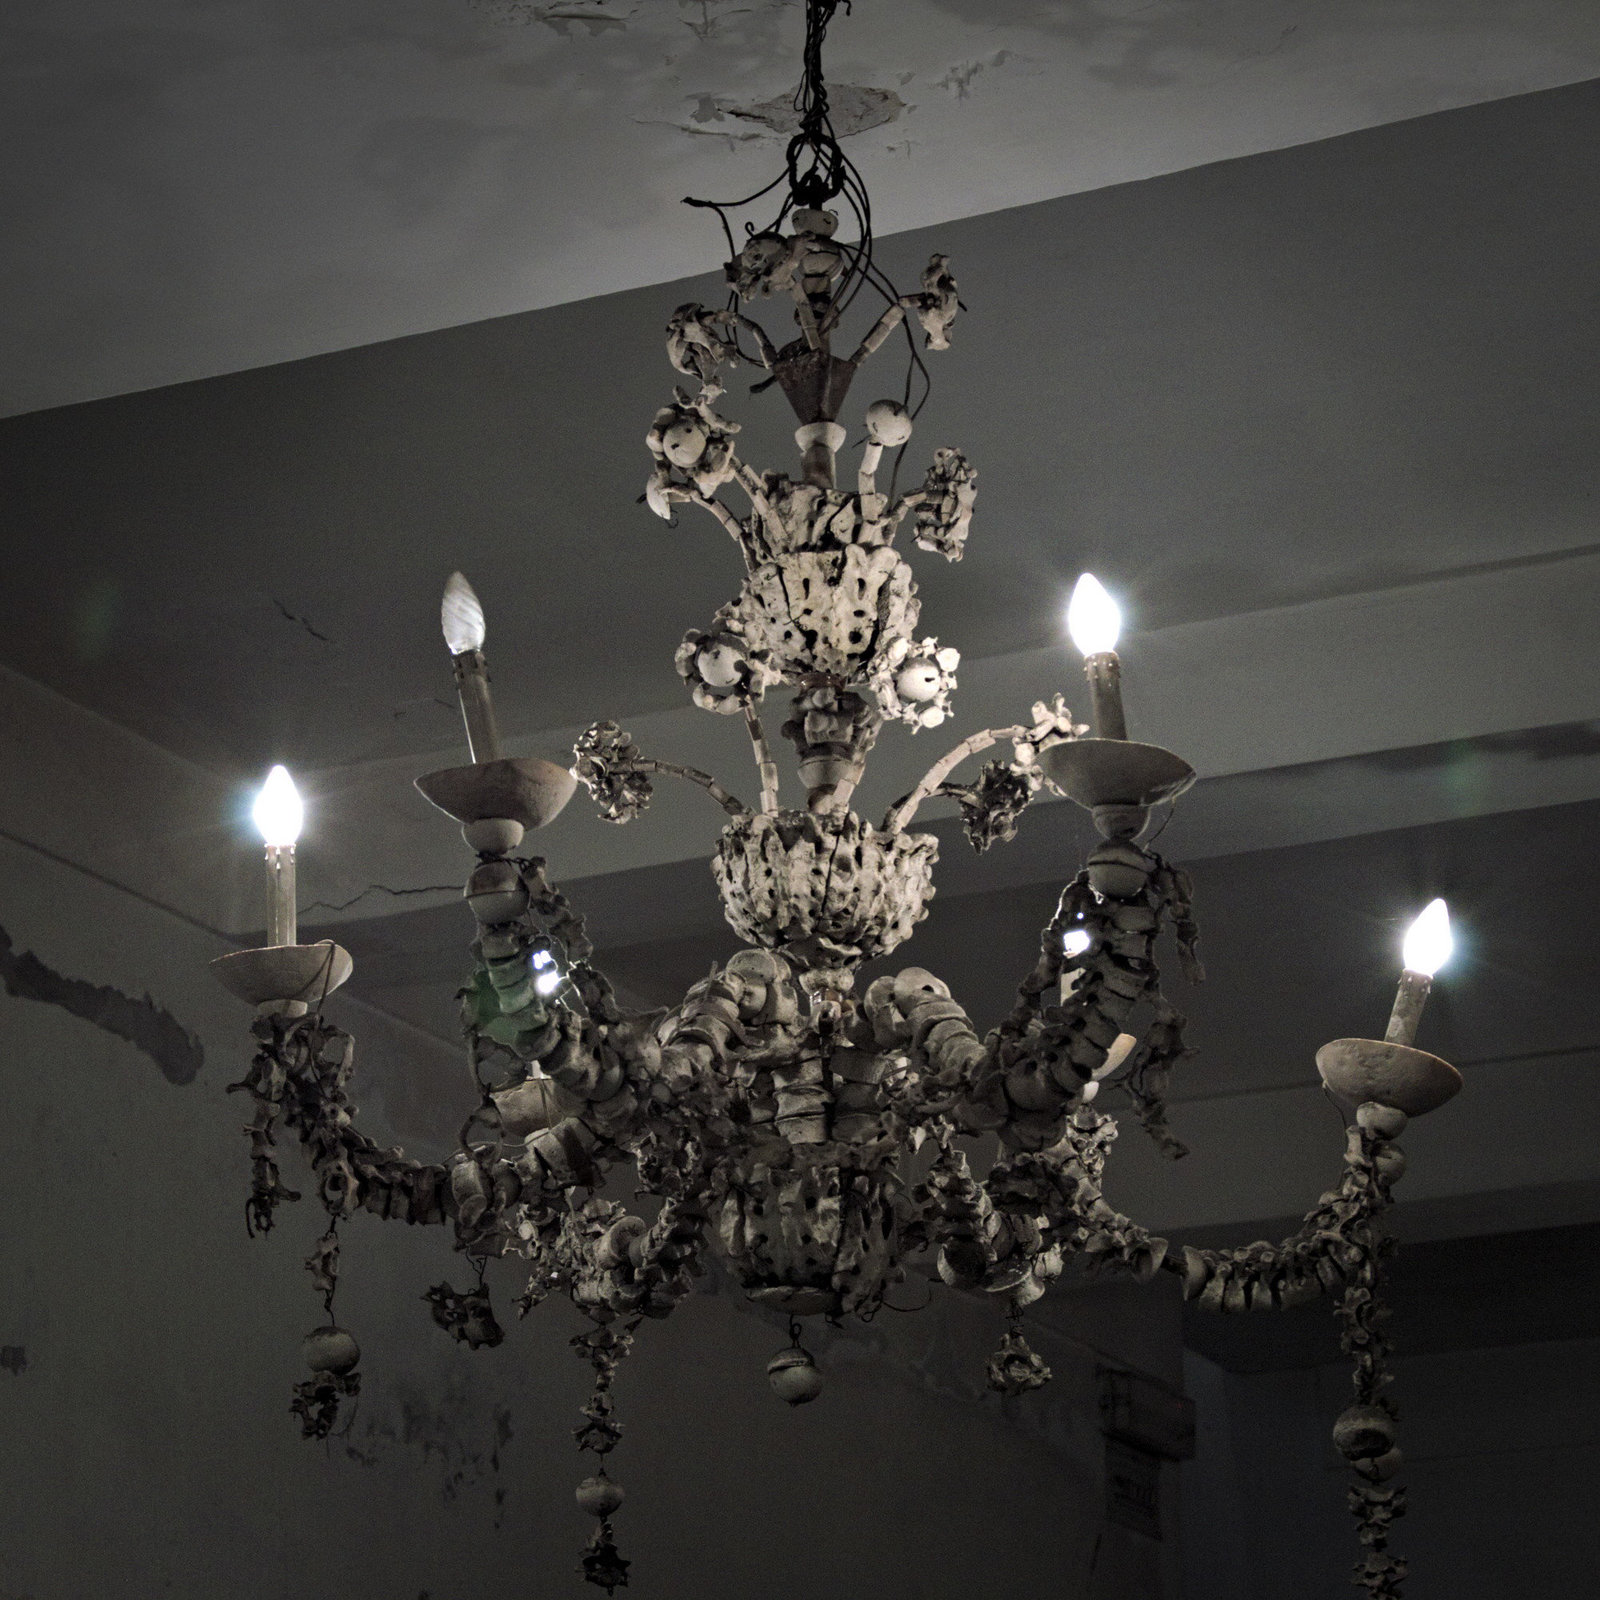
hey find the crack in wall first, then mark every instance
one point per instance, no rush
(380, 888)
(142, 1023)
(290, 616)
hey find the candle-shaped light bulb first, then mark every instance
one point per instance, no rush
(1428, 943)
(279, 814)
(1095, 621)
(1093, 618)
(461, 616)
(1427, 947)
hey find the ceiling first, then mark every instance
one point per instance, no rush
(1335, 368)
(195, 187)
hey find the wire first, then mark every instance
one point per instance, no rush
(816, 171)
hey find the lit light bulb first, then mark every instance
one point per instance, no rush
(461, 616)
(278, 811)
(1428, 942)
(1073, 943)
(1093, 617)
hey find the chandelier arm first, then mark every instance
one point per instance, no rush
(901, 814)
(1059, 1189)
(767, 351)
(754, 487)
(722, 513)
(881, 329)
(909, 501)
(913, 1012)
(765, 764)
(730, 803)
(617, 776)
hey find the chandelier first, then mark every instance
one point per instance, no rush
(772, 1114)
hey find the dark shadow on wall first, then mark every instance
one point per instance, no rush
(145, 1025)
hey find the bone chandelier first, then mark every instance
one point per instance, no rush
(772, 1113)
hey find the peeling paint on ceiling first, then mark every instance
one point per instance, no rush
(193, 187)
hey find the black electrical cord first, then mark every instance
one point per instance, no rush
(816, 172)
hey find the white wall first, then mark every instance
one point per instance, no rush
(1499, 1447)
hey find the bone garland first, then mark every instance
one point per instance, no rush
(1365, 1433)
(299, 1076)
(332, 1354)
(267, 1189)
(1149, 1068)
(1046, 1052)
(1015, 1367)
(330, 1351)
(604, 1348)
(468, 1317)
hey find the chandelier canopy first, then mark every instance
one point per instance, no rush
(772, 1114)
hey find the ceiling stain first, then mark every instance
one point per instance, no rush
(593, 18)
(852, 107)
(958, 80)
